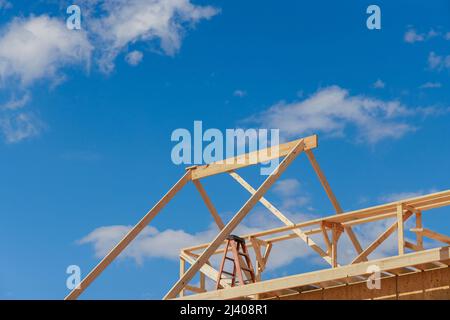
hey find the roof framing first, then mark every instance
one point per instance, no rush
(198, 257)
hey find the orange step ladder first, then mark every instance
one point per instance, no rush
(241, 262)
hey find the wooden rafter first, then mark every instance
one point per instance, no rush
(209, 204)
(337, 223)
(129, 237)
(251, 202)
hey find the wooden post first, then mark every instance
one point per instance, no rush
(419, 225)
(400, 230)
(202, 281)
(251, 202)
(334, 245)
(182, 268)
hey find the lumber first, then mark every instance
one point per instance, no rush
(128, 237)
(270, 180)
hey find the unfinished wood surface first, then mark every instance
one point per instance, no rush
(270, 180)
(432, 235)
(209, 204)
(182, 268)
(332, 197)
(400, 229)
(206, 270)
(129, 237)
(378, 241)
(245, 160)
(419, 225)
(385, 211)
(326, 239)
(258, 256)
(430, 284)
(310, 278)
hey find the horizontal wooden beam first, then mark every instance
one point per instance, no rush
(310, 278)
(432, 235)
(423, 203)
(248, 159)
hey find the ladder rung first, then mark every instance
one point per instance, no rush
(232, 259)
(243, 254)
(247, 269)
(226, 272)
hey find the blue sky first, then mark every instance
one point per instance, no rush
(86, 118)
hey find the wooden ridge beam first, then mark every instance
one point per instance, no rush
(246, 159)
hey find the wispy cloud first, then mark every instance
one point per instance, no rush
(20, 126)
(379, 84)
(116, 24)
(36, 48)
(333, 111)
(438, 62)
(166, 244)
(41, 48)
(239, 93)
(431, 85)
(133, 58)
(412, 35)
(405, 195)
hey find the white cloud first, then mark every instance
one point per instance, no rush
(287, 187)
(333, 111)
(133, 58)
(291, 195)
(239, 93)
(38, 47)
(16, 103)
(122, 23)
(412, 36)
(379, 84)
(166, 244)
(405, 195)
(430, 85)
(437, 62)
(18, 127)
